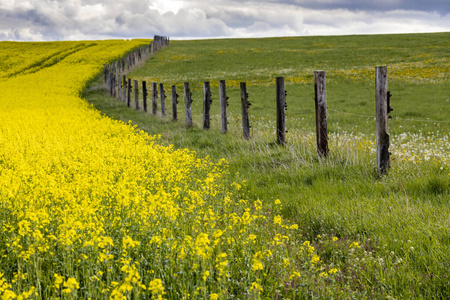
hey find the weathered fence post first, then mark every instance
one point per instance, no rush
(119, 85)
(154, 98)
(245, 105)
(111, 84)
(321, 113)
(106, 73)
(281, 111)
(136, 95)
(163, 99)
(206, 105)
(129, 93)
(187, 104)
(144, 95)
(382, 125)
(174, 103)
(115, 85)
(108, 80)
(124, 88)
(223, 106)
(110, 75)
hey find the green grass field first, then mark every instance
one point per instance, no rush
(402, 220)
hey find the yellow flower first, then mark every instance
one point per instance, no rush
(277, 220)
(205, 275)
(70, 285)
(315, 259)
(58, 280)
(293, 226)
(156, 288)
(256, 288)
(213, 296)
(332, 271)
(354, 245)
(128, 242)
(257, 265)
(295, 274)
(258, 204)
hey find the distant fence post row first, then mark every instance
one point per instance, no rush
(126, 63)
(382, 109)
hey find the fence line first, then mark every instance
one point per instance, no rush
(113, 69)
(381, 117)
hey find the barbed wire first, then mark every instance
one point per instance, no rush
(288, 112)
(416, 120)
(396, 118)
(347, 113)
(266, 108)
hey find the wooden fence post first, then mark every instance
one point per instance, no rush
(187, 104)
(144, 95)
(119, 88)
(114, 85)
(245, 105)
(111, 84)
(382, 125)
(154, 98)
(129, 93)
(108, 81)
(105, 73)
(124, 88)
(163, 99)
(281, 111)
(321, 113)
(174, 103)
(223, 105)
(136, 95)
(206, 105)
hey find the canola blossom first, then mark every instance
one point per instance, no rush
(93, 208)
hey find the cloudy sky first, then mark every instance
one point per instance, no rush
(183, 19)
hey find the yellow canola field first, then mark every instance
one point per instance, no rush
(95, 208)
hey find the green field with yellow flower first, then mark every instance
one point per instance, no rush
(103, 202)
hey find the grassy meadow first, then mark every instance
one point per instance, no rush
(400, 222)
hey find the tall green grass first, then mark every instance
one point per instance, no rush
(402, 219)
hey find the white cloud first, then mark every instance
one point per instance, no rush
(94, 19)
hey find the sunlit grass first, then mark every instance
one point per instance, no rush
(401, 219)
(97, 208)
